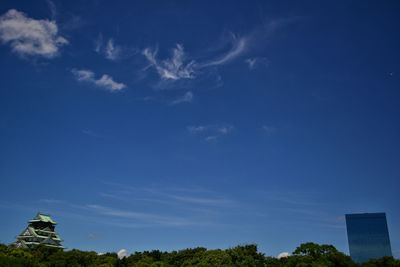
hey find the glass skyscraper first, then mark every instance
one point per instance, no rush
(368, 236)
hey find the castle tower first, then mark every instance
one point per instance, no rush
(40, 231)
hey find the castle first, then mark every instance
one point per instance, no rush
(40, 231)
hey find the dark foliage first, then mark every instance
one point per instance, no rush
(306, 255)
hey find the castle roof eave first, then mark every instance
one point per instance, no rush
(41, 217)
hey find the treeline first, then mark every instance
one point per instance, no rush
(306, 255)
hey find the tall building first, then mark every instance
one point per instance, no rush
(368, 236)
(40, 231)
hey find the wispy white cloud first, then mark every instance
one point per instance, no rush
(269, 129)
(241, 45)
(98, 43)
(169, 99)
(53, 8)
(211, 132)
(142, 216)
(91, 133)
(30, 37)
(193, 196)
(83, 75)
(51, 201)
(196, 129)
(224, 129)
(132, 206)
(186, 98)
(238, 47)
(189, 69)
(179, 66)
(110, 50)
(119, 216)
(256, 62)
(213, 201)
(105, 81)
(211, 138)
(74, 22)
(251, 62)
(174, 68)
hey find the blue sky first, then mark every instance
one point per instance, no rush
(174, 124)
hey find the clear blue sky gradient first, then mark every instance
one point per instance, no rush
(288, 120)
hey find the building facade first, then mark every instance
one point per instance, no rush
(40, 231)
(368, 236)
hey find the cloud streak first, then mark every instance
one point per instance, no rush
(174, 68)
(239, 46)
(52, 8)
(105, 81)
(91, 133)
(30, 37)
(178, 66)
(182, 70)
(186, 98)
(112, 51)
(170, 196)
(212, 132)
(269, 129)
(141, 216)
(202, 200)
(256, 62)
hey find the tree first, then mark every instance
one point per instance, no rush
(320, 255)
(314, 250)
(382, 262)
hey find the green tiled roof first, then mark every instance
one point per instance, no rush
(43, 218)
